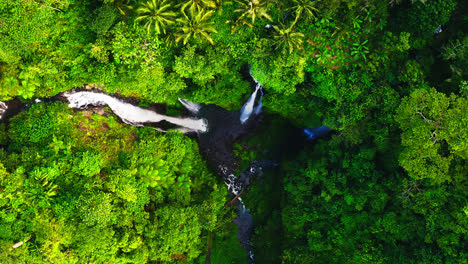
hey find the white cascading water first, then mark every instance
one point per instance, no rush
(230, 181)
(243, 211)
(3, 108)
(137, 116)
(248, 108)
(258, 108)
(131, 114)
(191, 107)
(246, 111)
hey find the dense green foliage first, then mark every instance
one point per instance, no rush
(389, 186)
(87, 188)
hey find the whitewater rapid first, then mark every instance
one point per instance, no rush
(131, 114)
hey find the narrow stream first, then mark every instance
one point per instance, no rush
(216, 129)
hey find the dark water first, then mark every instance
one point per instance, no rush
(216, 146)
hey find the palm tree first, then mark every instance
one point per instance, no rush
(220, 3)
(124, 6)
(285, 36)
(251, 9)
(197, 5)
(157, 13)
(195, 24)
(306, 7)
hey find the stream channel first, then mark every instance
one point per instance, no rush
(216, 130)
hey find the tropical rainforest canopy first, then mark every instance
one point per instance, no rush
(390, 185)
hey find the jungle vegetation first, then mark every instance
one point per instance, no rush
(389, 186)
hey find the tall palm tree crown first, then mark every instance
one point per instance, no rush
(285, 36)
(197, 5)
(304, 7)
(157, 13)
(195, 24)
(252, 9)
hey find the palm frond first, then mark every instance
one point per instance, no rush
(158, 14)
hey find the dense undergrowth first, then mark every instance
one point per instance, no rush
(389, 186)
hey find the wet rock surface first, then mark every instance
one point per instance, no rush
(216, 145)
(224, 128)
(11, 108)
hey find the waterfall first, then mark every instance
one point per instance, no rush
(191, 107)
(248, 108)
(3, 108)
(258, 108)
(131, 114)
(215, 141)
